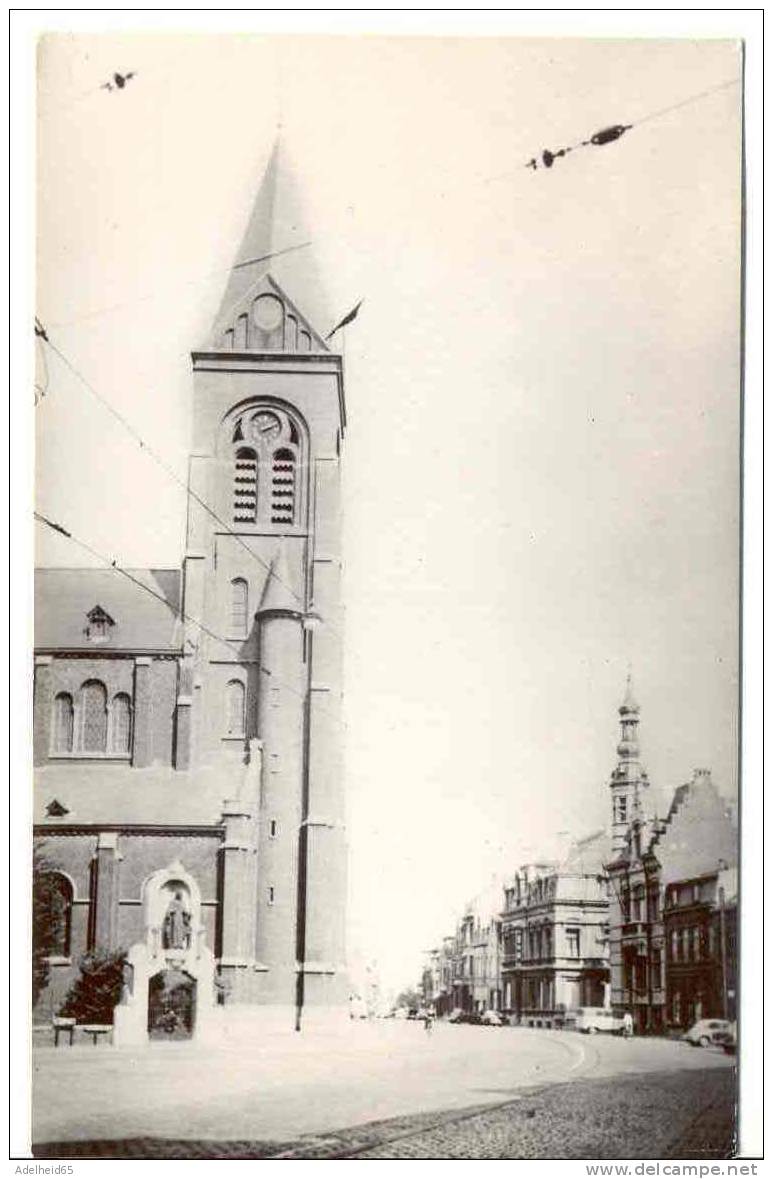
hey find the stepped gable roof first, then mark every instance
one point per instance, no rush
(699, 834)
(132, 619)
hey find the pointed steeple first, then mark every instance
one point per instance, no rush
(278, 595)
(629, 782)
(275, 260)
(629, 700)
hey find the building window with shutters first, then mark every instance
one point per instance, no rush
(121, 725)
(62, 729)
(234, 708)
(93, 709)
(573, 943)
(237, 620)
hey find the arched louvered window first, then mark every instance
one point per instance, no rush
(283, 487)
(120, 724)
(63, 723)
(304, 341)
(291, 334)
(245, 486)
(93, 717)
(269, 470)
(234, 708)
(53, 914)
(237, 623)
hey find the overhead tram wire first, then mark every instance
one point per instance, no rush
(611, 133)
(99, 311)
(211, 274)
(169, 470)
(178, 613)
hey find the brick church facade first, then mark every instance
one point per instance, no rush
(187, 721)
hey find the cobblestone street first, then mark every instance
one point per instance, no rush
(388, 1091)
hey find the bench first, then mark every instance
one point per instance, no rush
(62, 1026)
(95, 1030)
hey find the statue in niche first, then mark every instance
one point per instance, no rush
(127, 982)
(177, 924)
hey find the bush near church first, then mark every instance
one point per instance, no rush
(94, 995)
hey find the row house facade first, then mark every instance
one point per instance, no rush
(641, 917)
(554, 937)
(700, 927)
(464, 973)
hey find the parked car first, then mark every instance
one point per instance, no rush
(729, 1039)
(597, 1019)
(491, 1019)
(707, 1031)
(456, 1015)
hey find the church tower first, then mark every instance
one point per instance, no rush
(629, 783)
(261, 678)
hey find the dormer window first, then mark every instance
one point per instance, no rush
(99, 624)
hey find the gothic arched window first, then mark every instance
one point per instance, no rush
(234, 708)
(120, 724)
(63, 723)
(93, 717)
(53, 913)
(283, 487)
(237, 623)
(245, 486)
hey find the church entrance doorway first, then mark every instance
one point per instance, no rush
(171, 1005)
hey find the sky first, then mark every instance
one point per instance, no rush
(541, 466)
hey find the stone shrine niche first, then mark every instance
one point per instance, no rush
(172, 912)
(173, 951)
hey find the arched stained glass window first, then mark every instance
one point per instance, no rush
(63, 723)
(237, 623)
(121, 724)
(283, 487)
(234, 708)
(245, 486)
(93, 717)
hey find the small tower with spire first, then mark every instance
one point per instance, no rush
(629, 783)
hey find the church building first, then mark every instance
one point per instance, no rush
(189, 801)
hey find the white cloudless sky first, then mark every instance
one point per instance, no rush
(541, 468)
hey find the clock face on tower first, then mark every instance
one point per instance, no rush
(265, 426)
